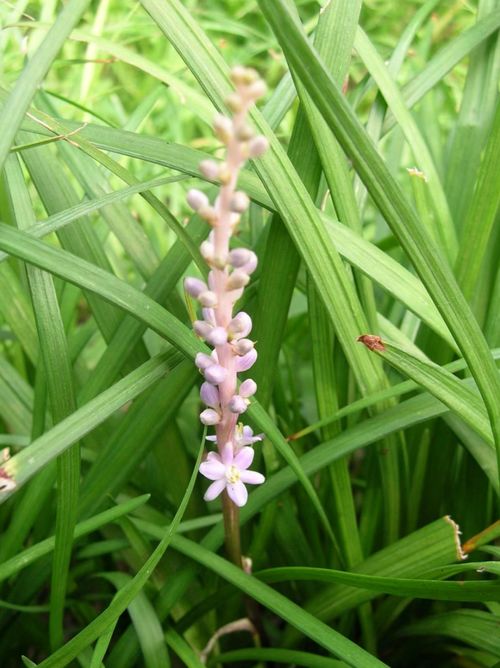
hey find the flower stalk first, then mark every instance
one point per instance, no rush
(226, 332)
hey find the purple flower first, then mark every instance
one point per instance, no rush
(229, 471)
(244, 362)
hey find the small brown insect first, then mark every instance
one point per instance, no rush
(371, 341)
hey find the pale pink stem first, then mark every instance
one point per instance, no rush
(224, 308)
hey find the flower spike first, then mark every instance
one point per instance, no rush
(230, 272)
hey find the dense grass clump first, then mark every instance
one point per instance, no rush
(375, 312)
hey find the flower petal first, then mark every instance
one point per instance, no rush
(246, 361)
(209, 395)
(213, 470)
(244, 458)
(227, 454)
(252, 477)
(238, 493)
(214, 490)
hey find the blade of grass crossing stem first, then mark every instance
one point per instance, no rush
(325, 636)
(388, 196)
(442, 227)
(129, 591)
(12, 114)
(96, 280)
(58, 375)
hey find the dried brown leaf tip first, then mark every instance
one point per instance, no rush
(371, 341)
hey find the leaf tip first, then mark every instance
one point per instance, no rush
(372, 342)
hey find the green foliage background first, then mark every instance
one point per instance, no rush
(374, 212)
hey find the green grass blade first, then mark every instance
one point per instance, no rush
(32, 76)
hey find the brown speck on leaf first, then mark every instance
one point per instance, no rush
(371, 341)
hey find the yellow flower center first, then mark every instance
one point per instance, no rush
(232, 474)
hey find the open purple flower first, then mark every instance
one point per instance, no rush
(229, 471)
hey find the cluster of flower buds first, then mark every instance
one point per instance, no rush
(230, 271)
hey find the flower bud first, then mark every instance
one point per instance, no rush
(209, 394)
(251, 265)
(223, 128)
(196, 199)
(237, 404)
(248, 388)
(208, 213)
(209, 169)
(209, 417)
(257, 146)
(207, 251)
(202, 328)
(239, 75)
(215, 374)
(193, 286)
(234, 102)
(217, 336)
(238, 279)
(243, 346)
(224, 174)
(239, 257)
(239, 202)
(203, 361)
(240, 326)
(208, 299)
(246, 361)
(245, 133)
(256, 90)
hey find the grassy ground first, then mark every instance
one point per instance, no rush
(373, 213)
